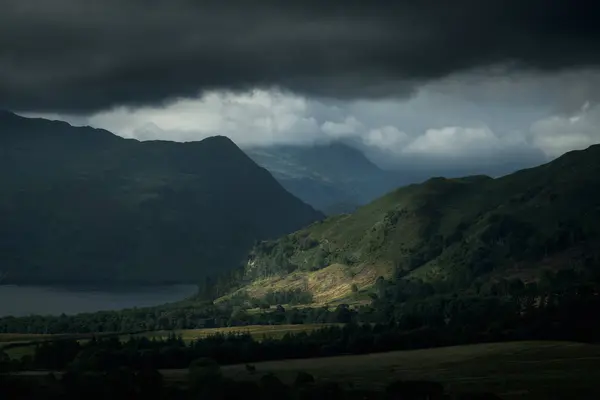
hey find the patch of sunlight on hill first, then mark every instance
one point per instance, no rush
(328, 284)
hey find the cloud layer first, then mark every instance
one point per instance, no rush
(429, 131)
(75, 56)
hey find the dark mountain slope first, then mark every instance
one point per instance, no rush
(457, 230)
(81, 204)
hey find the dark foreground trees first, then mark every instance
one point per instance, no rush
(206, 382)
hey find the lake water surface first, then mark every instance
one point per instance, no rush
(44, 300)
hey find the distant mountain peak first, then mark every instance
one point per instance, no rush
(148, 131)
(221, 139)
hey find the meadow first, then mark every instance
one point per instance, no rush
(22, 337)
(258, 332)
(17, 345)
(513, 370)
(517, 370)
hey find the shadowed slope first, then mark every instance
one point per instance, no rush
(81, 204)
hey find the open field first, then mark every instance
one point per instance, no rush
(259, 332)
(19, 345)
(16, 353)
(519, 370)
(22, 337)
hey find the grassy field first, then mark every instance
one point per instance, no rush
(519, 370)
(18, 345)
(21, 337)
(25, 342)
(16, 353)
(259, 332)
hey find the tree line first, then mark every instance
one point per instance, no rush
(408, 302)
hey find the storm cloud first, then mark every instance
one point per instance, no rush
(81, 57)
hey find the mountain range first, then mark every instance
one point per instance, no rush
(79, 204)
(449, 232)
(338, 177)
(84, 205)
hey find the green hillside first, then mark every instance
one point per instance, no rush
(451, 231)
(84, 205)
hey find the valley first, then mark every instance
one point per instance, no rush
(299, 200)
(453, 280)
(334, 178)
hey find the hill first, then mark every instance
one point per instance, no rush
(83, 205)
(334, 177)
(449, 232)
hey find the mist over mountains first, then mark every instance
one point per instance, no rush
(331, 177)
(337, 177)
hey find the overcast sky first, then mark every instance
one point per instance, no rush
(453, 82)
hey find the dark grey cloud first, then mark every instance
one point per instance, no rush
(83, 56)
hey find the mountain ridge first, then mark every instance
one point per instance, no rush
(82, 204)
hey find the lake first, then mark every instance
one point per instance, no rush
(26, 300)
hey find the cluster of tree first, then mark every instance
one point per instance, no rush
(271, 298)
(276, 257)
(178, 316)
(492, 304)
